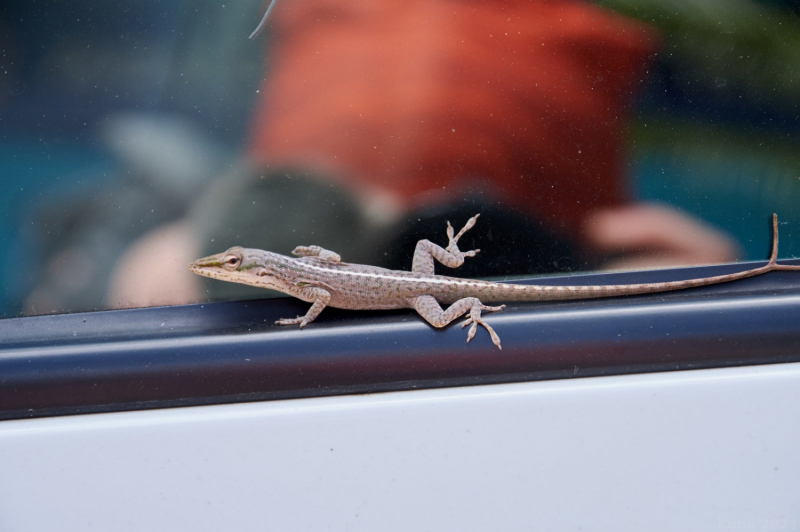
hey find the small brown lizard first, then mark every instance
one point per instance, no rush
(319, 277)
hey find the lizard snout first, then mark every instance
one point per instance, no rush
(206, 265)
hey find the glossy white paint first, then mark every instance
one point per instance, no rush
(699, 450)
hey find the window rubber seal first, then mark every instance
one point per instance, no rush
(230, 352)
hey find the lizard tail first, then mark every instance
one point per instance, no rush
(550, 293)
(263, 20)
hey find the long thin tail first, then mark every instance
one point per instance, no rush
(550, 293)
(263, 20)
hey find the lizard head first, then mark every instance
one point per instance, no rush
(239, 265)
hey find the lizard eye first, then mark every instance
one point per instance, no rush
(232, 261)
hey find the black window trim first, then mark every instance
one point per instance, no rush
(232, 352)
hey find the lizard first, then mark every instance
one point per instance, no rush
(318, 276)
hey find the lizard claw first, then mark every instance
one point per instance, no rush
(492, 334)
(475, 318)
(472, 331)
(470, 223)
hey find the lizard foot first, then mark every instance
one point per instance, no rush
(316, 251)
(475, 319)
(452, 245)
(293, 321)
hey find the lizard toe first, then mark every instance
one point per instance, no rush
(472, 331)
(289, 321)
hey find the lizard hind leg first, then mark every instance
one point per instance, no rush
(429, 308)
(452, 257)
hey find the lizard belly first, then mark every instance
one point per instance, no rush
(381, 293)
(366, 301)
(374, 292)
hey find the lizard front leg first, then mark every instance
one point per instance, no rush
(429, 308)
(319, 296)
(452, 257)
(316, 251)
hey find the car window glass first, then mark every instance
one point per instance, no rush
(617, 134)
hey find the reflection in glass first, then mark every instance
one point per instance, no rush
(615, 134)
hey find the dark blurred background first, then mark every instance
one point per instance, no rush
(115, 117)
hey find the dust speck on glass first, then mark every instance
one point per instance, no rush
(615, 134)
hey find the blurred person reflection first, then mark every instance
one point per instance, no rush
(387, 118)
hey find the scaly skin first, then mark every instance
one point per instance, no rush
(319, 277)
